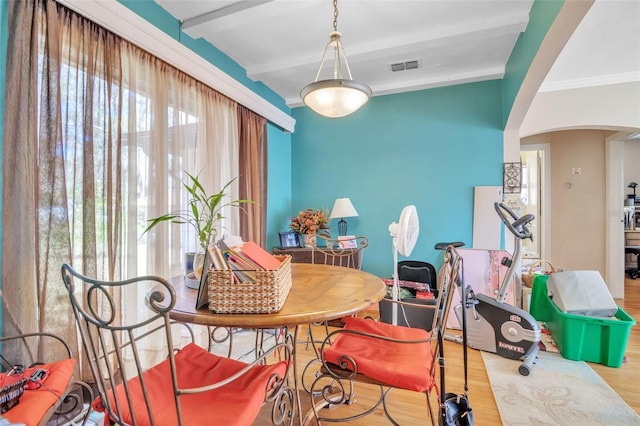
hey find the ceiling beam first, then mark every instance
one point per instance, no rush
(238, 15)
(231, 9)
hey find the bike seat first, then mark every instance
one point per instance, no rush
(442, 246)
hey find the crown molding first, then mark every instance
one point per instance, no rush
(582, 83)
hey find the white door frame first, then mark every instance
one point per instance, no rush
(614, 234)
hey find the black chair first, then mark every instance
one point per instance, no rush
(411, 315)
(634, 273)
(417, 271)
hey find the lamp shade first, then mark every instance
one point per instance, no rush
(343, 208)
(335, 98)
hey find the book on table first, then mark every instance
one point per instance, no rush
(260, 256)
(244, 260)
(203, 295)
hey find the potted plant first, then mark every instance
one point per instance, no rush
(310, 222)
(203, 213)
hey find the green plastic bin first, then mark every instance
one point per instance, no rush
(578, 337)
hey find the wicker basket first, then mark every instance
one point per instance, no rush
(527, 279)
(266, 295)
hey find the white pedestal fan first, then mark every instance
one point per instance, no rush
(405, 234)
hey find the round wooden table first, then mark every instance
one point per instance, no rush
(318, 293)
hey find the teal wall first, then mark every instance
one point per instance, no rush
(541, 16)
(428, 148)
(278, 184)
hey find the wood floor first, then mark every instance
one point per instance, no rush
(410, 408)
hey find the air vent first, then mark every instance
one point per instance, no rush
(412, 65)
(406, 65)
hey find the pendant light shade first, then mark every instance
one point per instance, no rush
(338, 96)
(335, 98)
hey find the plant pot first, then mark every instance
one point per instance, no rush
(198, 263)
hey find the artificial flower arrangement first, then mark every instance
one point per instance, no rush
(310, 221)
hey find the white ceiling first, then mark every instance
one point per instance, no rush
(280, 42)
(605, 49)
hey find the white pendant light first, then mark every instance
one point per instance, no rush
(336, 97)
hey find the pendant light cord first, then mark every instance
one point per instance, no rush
(337, 68)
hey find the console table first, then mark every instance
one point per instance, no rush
(305, 255)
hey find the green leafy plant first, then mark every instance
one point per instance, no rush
(203, 213)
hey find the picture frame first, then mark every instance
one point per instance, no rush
(347, 242)
(512, 178)
(289, 240)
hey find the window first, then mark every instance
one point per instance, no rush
(96, 141)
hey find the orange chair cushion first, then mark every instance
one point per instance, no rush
(400, 365)
(237, 403)
(35, 403)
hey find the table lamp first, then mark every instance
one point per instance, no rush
(343, 208)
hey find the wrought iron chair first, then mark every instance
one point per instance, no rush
(48, 386)
(347, 252)
(185, 384)
(386, 355)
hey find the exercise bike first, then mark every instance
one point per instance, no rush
(498, 327)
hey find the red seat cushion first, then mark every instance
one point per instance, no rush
(401, 365)
(35, 403)
(237, 403)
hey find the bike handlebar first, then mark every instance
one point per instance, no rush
(519, 225)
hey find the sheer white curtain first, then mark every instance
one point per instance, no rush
(218, 138)
(199, 130)
(177, 125)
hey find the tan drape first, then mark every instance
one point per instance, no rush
(98, 135)
(20, 156)
(253, 181)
